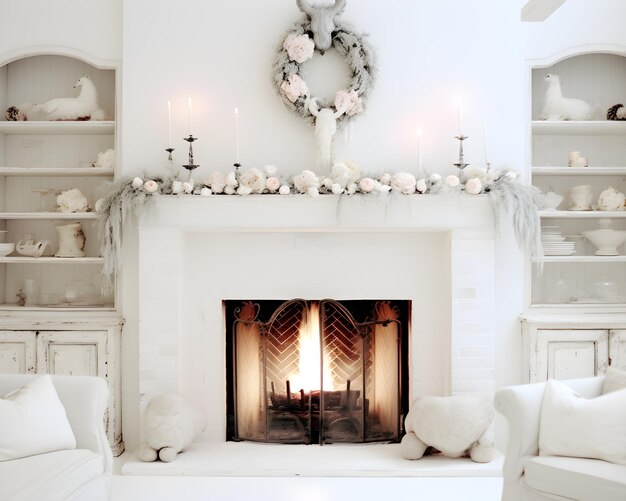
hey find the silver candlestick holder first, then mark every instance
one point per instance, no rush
(170, 161)
(461, 163)
(191, 166)
(237, 167)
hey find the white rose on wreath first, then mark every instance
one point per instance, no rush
(299, 47)
(306, 180)
(253, 179)
(294, 87)
(474, 186)
(350, 101)
(72, 201)
(403, 182)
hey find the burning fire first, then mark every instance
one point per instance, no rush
(309, 341)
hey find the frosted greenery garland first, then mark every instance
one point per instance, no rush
(137, 196)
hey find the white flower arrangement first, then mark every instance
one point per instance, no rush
(72, 201)
(404, 183)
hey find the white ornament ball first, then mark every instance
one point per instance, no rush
(137, 183)
(284, 190)
(206, 192)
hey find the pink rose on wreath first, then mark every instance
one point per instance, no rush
(367, 185)
(348, 101)
(294, 88)
(299, 47)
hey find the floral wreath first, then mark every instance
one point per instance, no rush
(298, 47)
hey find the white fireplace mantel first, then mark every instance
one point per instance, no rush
(324, 213)
(436, 250)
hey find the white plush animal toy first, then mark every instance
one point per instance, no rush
(171, 423)
(457, 426)
(325, 130)
(322, 21)
(558, 107)
(83, 107)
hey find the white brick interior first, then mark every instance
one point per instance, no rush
(435, 251)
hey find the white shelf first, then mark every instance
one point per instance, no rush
(49, 215)
(15, 307)
(582, 259)
(55, 172)
(578, 128)
(54, 128)
(51, 260)
(580, 214)
(579, 171)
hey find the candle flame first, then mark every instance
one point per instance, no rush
(308, 378)
(236, 111)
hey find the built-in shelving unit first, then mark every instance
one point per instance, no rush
(582, 280)
(39, 159)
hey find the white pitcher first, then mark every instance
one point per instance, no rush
(71, 240)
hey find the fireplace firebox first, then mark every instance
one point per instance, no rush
(316, 372)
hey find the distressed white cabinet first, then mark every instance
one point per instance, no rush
(81, 346)
(572, 346)
(17, 352)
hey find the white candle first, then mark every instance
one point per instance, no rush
(419, 152)
(169, 124)
(458, 111)
(236, 135)
(486, 144)
(189, 106)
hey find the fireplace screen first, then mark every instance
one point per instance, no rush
(316, 371)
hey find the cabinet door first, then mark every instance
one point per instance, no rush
(569, 354)
(75, 353)
(17, 352)
(617, 349)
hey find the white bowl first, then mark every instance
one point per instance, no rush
(551, 200)
(6, 249)
(606, 241)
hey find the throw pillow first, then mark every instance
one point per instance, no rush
(33, 421)
(574, 426)
(614, 379)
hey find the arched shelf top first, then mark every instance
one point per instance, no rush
(58, 50)
(579, 50)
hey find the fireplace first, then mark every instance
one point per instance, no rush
(316, 372)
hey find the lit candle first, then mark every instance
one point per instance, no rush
(419, 152)
(189, 106)
(169, 124)
(236, 135)
(486, 144)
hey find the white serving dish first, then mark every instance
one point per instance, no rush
(606, 239)
(6, 249)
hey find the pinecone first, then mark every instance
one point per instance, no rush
(616, 112)
(13, 114)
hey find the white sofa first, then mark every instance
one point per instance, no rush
(530, 477)
(80, 474)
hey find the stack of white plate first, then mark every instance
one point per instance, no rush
(554, 243)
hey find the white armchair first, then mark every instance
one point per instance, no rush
(528, 476)
(83, 473)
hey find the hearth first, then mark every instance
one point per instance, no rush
(303, 372)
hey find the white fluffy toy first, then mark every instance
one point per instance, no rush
(457, 426)
(83, 107)
(171, 423)
(558, 107)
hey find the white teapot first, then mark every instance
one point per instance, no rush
(31, 248)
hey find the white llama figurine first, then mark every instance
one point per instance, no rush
(558, 107)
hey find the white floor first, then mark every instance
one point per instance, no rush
(158, 488)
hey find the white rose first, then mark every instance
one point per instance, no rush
(272, 184)
(206, 192)
(217, 182)
(367, 185)
(284, 190)
(137, 183)
(244, 190)
(299, 47)
(327, 182)
(474, 186)
(253, 179)
(420, 186)
(229, 190)
(385, 179)
(452, 181)
(351, 189)
(305, 180)
(177, 187)
(188, 187)
(403, 182)
(337, 189)
(435, 178)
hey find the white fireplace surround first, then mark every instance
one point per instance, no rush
(437, 251)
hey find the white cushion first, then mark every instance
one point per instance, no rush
(33, 421)
(574, 478)
(614, 379)
(52, 476)
(573, 426)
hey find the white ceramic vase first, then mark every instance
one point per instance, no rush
(71, 240)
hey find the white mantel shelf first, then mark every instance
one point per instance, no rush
(324, 213)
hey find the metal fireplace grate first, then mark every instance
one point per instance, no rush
(311, 373)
